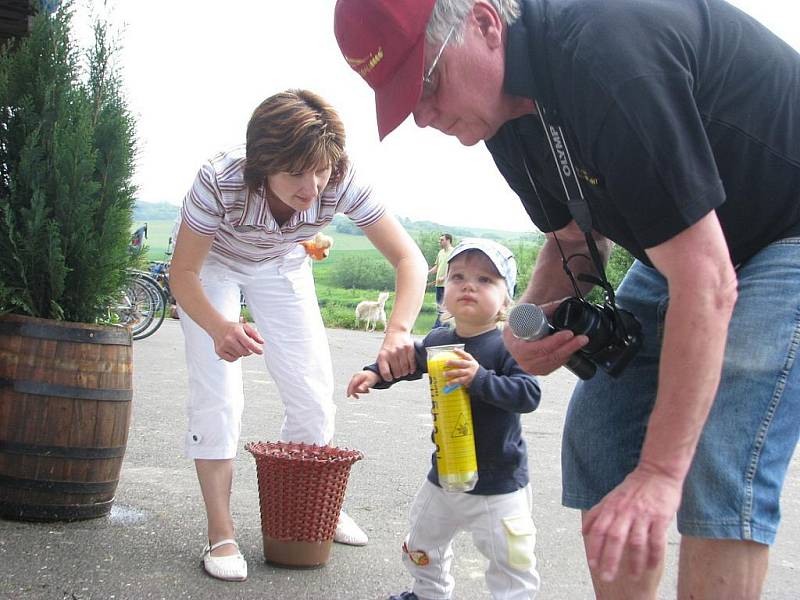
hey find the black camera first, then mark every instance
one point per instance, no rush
(615, 335)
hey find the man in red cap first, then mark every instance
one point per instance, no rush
(669, 127)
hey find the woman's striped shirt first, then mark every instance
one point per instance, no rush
(219, 204)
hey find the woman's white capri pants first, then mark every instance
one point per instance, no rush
(282, 300)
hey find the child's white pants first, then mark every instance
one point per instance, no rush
(502, 530)
(282, 300)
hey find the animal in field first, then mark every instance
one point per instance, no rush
(372, 312)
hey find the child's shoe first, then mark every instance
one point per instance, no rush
(404, 596)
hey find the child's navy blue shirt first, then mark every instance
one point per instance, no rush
(500, 391)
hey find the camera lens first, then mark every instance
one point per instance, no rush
(582, 318)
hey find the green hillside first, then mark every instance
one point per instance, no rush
(158, 232)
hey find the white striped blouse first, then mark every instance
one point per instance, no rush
(220, 204)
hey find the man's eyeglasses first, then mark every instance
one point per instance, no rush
(428, 82)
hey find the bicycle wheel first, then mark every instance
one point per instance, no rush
(154, 307)
(134, 307)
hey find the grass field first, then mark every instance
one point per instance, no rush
(158, 233)
(336, 304)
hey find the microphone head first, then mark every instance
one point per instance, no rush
(528, 322)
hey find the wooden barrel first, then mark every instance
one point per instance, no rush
(65, 410)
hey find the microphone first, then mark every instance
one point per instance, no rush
(528, 322)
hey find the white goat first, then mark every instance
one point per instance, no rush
(372, 312)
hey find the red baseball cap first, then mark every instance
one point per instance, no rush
(384, 41)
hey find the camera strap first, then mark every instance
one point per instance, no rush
(575, 200)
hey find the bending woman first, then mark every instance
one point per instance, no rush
(242, 222)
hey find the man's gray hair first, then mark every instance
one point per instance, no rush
(447, 13)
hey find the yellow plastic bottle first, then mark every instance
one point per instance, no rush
(452, 424)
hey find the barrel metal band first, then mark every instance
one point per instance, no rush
(64, 487)
(116, 336)
(54, 512)
(39, 388)
(62, 451)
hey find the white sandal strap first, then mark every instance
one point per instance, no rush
(220, 543)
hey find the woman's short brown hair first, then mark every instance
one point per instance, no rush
(293, 132)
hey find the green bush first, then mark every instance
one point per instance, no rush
(363, 272)
(428, 242)
(342, 224)
(618, 264)
(525, 254)
(66, 164)
(338, 315)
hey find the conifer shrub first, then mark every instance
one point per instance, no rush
(67, 149)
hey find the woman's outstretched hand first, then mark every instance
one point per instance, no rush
(235, 340)
(396, 356)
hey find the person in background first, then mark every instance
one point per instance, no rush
(439, 268)
(241, 227)
(479, 284)
(671, 128)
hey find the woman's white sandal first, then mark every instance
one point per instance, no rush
(227, 568)
(348, 532)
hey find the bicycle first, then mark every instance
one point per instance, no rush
(141, 306)
(154, 305)
(159, 270)
(147, 297)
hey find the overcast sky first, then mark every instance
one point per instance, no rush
(194, 70)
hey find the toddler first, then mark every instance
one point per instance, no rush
(478, 288)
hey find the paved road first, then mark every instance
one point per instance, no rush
(149, 546)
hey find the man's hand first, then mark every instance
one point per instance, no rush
(361, 383)
(234, 340)
(396, 356)
(543, 356)
(632, 518)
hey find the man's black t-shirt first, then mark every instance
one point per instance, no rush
(671, 108)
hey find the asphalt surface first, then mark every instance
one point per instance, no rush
(149, 546)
